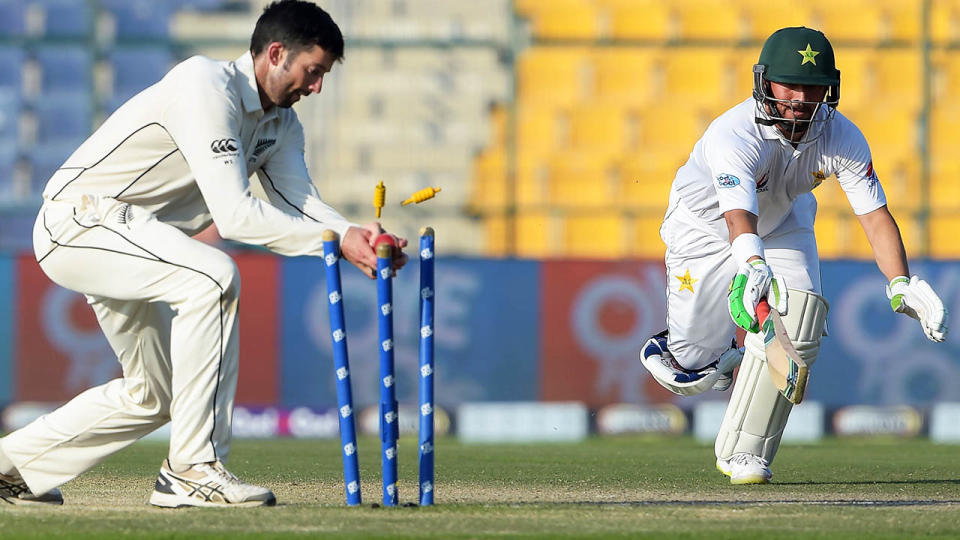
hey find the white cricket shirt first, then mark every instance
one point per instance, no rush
(185, 148)
(739, 164)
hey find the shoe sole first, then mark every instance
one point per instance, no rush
(29, 502)
(167, 500)
(743, 480)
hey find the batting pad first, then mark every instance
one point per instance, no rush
(757, 412)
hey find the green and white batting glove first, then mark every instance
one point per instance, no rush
(753, 281)
(914, 297)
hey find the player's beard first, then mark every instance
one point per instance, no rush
(290, 95)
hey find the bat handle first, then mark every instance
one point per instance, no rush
(763, 310)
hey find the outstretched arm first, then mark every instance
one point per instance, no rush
(884, 237)
(911, 296)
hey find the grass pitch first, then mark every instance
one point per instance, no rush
(602, 488)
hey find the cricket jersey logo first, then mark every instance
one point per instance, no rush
(762, 184)
(871, 175)
(686, 281)
(224, 146)
(263, 144)
(818, 177)
(727, 181)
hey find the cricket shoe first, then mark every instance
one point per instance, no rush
(744, 468)
(206, 484)
(13, 490)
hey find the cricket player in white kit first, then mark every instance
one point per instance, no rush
(739, 228)
(115, 225)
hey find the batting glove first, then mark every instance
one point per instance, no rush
(753, 282)
(914, 297)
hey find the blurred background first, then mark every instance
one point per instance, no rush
(554, 128)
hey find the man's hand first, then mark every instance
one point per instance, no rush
(752, 282)
(357, 247)
(914, 298)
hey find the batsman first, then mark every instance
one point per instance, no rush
(739, 232)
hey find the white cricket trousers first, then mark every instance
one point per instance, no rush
(168, 306)
(698, 317)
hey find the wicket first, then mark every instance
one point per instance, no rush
(389, 425)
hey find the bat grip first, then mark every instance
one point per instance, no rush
(763, 310)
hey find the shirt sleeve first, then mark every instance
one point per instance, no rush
(855, 172)
(288, 186)
(733, 163)
(204, 122)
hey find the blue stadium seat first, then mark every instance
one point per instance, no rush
(11, 68)
(138, 20)
(13, 18)
(67, 18)
(135, 68)
(9, 118)
(64, 117)
(65, 68)
(8, 162)
(45, 159)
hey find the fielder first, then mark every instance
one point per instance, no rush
(116, 225)
(742, 208)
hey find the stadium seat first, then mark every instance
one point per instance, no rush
(579, 179)
(646, 20)
(603, 128)
(646, 242)
(64, 68)
(943, 235)
(762, 20)
(593, 235)
(944, 130)
(489, 183)
(531, 179)
(887, 126)
(945, 22)
(534, 230)
(64, 117)
(629, 76)
(831, 233)
(700, 76)
(562, 19)
(540, 130)
(673, 124)
(8, 162)
(13, 18)
(835, 19)
(495, 239)
(858, 77)
(67, 18)
(945, 76)
(553, 75)
(646, 177)
(898, 169)
(11, 68)
(899, 77)
(138, 20)
(9, 118)
(135, 68)
(711, 20)
(945, 183)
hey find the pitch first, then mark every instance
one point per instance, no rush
(603, 488)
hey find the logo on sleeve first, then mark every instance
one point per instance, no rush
(762, 184)
(818, 177)
(224, 146)
(727, 181)
(871, 175)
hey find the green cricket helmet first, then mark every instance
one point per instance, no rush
(796, 55)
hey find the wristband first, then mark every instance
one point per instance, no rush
(745, 246)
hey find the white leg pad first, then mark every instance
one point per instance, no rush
(757, 412)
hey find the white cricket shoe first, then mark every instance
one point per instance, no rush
(744, 468)
(13, 490)
(206, 484)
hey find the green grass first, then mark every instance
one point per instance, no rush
(610, 488)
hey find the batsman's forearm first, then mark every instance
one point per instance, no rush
(887, 244)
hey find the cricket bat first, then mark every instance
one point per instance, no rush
(787, 369)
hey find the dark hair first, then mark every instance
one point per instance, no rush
(297, 25)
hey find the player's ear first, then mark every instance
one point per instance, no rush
(275, 52)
